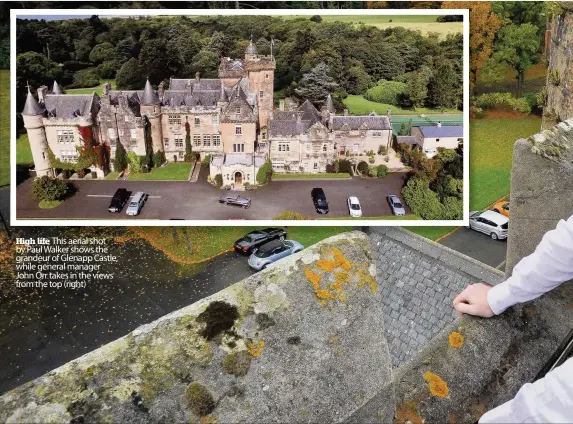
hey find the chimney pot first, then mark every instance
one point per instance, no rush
(42, 93)
(439, 124)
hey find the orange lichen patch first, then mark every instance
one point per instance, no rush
(367, 279)
(438, 387)
(313, 278)
(255, 349)
(408, 411)
(340, 260)
(456, 339)
(326, 265)
(209, 419)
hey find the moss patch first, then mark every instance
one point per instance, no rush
(218, 318)
(264, 321)
(201, 401)
(237, 363)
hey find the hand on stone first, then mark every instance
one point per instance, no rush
(473, 301)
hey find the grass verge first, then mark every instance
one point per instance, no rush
(98, 90)
(5, 128)
(112, 176)
(341, 175)
(171, 171)
(49, 204)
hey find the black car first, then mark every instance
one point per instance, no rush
(257, 238)
(118, 200)
(319, 200)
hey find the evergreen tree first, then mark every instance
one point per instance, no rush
(417, 88)
(406, 128)
(148, 161)
(188, 150)
(443, 87)
(130, 76)
(316, 85)
(120, 161)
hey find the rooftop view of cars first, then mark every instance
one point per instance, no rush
(266, 246)
(120, 198)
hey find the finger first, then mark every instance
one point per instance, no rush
(461, 298)
(466, 308)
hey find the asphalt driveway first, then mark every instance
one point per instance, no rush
(199, 201)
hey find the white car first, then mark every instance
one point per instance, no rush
(354, 207)
(491, 223)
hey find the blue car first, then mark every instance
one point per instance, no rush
(273, 251)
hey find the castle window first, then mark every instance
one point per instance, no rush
(126, 117)
(266, 76)
(356, 147)
(197, 122)
(196, 140)
(261, 94)
(133, 133)
(324, 148)
(43, 155)
(214, 120)
(264, 136)
(65, 136)
(377, 133)
(69, 156)
(238, 130)
(315, 165)
(111, 133)
(206, 140)
(216, 140)
(237, 110)
(178, 139)
(166, 142)
(308, 147)
(437, 140)
(174, 119)
(284, 147)
(181, 155)
(238, 148)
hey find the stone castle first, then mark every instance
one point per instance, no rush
(231, 118)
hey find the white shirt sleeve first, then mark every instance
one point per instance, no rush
(548, 400)
(548, 266)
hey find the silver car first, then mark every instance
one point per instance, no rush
(234, 199)
(491, 223)
(396, 205)
(273, 251)
(136, 203)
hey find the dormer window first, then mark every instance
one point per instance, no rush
(261, 94)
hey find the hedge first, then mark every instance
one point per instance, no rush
(503, 100)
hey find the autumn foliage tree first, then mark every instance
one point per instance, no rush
(484, 24)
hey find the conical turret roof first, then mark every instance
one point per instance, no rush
(329, 104)
(32, 108)
(251, 49)
(149, 95)
(222, 95)
(56, 89)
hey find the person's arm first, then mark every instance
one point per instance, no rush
(548, 266)
(548, 400)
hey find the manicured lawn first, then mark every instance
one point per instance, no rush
(535, 78)
(5, 128)
(491, 151)
(23, 151)
(342, 175)
(358, 105)
(98, 89)
(49, 204)
(207, 242)
(112, 176)
(172, 171)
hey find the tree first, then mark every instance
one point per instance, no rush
(443, 88)
(389, 92)
(405, 128)
(316, 85)
(154, 60)
(362, 167)
(219, 180)
(421, 200)
(358, 80)
(417, 88)
(484, 24)
(148, 158)
(264, 174)
(207, 63)
(518, 46)
(35, 69)
(102, 52)
(46, 188)
(381, 171)
(189, 157)
(130, 76)
(120, 161)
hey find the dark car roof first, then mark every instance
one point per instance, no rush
(271, 245)
(268, 230)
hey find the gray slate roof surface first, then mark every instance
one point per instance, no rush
(443, 131)
(67, 105)
(405, 139)
(279, 128)
(417, 294)
(149, 96)
(355, 122)
(32, 107)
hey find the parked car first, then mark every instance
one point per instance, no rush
(136, 203)
(396, 205)
(234, 199)
(319, 200)
(118, 200)
(273, 251)
(502, 208)
(257, 238)
(489, 222)
(354, 207)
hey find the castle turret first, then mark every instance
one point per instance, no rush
(151, 107)
(261, 74)
(251, 51)
(327, 111)
(56, 89)
(32, 115)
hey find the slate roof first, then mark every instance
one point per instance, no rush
(180, 84)
(405, 139)
(283, 115)
(251, 49)
(133, 99)
(31, 107)
(233, 159)
(309, 112)
(69, 105)
(149, 95)
(355, 122)
(56, 89)
(279, 128)
(442, 131)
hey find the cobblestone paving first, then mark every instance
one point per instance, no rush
(417, 293)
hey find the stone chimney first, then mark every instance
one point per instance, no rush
(388, 112)
(197, 77)
(106, 89)
(298, 116)
(42, 91)
(160, 90)
(345, 112)
(282, 104)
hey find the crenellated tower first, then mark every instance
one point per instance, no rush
(261, 74)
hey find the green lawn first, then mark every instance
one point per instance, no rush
(5, 128)
(358, 105)
(491, 151)
(98, 89)
(112, 176)
(23, 151)
(342, 175)
(171, 171)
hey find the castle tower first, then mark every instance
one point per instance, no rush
(261, 75)
(32, 115)
(151, 107)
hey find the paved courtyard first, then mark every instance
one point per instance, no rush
(185, 200)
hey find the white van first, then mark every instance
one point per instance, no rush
(136, 203)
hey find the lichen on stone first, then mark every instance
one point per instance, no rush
(200, 400)
(237, 363)
(456, 339)
(438, 387)
(255, 349)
